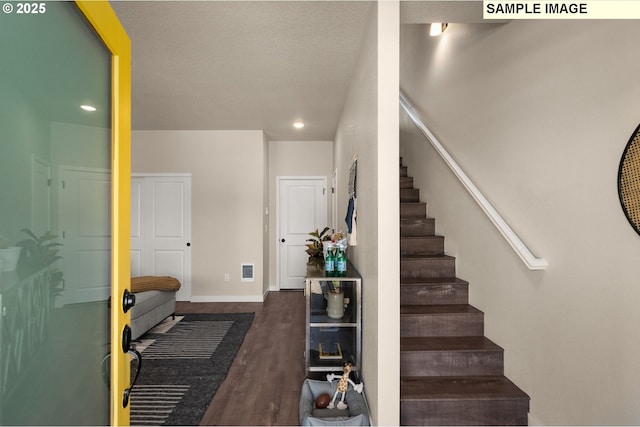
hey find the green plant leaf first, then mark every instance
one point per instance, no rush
(29, 233)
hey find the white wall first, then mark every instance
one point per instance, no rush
(368, 128)
(266, 272)
(74, 145)
(538, 114)
(295, 158)
(25, 135)
(228, 203)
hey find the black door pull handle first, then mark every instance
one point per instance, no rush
(106, 374)
(127, 392)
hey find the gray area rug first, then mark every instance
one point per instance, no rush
(183, 364)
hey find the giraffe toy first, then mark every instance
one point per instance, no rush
(343, 385)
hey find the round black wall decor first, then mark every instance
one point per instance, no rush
(629, 180)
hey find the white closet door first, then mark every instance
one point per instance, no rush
(161, 228)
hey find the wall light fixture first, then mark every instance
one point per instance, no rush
(438, 28)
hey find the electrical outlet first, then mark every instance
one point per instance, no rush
(226, 277)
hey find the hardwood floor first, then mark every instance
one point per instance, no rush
(264, 382)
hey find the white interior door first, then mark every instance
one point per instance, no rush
(161, 228)
(302, 207)
(86, 234)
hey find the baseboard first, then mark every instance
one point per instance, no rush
(227, 298)
(535, 421)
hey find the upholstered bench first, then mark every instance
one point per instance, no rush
(356, 414)
(155, 301)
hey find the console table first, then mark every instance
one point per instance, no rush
(332, 339)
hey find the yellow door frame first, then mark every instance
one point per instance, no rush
(106, 24)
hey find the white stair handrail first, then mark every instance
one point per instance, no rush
(507, 232)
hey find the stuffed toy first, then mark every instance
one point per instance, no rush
(343, 385)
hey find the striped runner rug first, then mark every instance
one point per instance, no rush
(184, 361)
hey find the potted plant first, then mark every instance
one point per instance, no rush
(314, 246)
(39, 252)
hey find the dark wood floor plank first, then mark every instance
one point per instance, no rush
(263, 384)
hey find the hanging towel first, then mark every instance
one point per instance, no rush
(350, 212)
(352, 234)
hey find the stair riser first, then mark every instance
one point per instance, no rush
(421, 268)
(413, 210)
(408, 195)
(406, 182)
(418, 227)
(451, 363)
(403, 171)
(434, 294)
(432, 245)
(464, 412)
(442, 325)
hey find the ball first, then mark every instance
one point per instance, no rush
(323, 401)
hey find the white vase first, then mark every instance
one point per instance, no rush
(335, 305)
(10, 256)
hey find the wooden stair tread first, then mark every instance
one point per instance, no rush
(439, 309)
(460, 388)
(416, 220)
(409, 220)
(458, 344)
(428, 236)
(435, 257)
(410, 281)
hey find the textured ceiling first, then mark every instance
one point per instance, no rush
(243, 64)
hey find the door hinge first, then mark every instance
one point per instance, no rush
(63, 184)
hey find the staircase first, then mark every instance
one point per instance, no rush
(451, 374)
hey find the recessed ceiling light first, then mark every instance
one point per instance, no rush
(298, 125)
(88, 108)
(437, 28)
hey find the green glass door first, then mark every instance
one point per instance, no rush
(55, 201)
